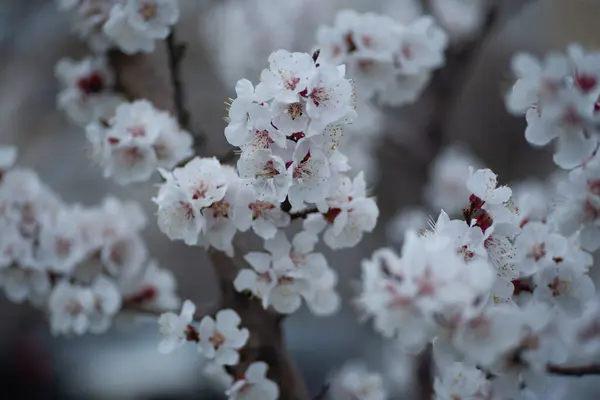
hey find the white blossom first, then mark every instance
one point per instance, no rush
(88, 18)
(138, 140)
(135, 25)
(264, 216)
(462, 381)
(559, 98)
(155, 289)
(310, 174)
(385, 57)
(356, 382)
(267, 173)
(70, 308)
(254, 385)
(565, 286)
(287, 76)
(173, 328)
(538, 247)
(483, 184)
(107, 302)
(221, 338)
(288, 273)
(348, 213)
(88, 89)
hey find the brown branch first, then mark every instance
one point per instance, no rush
(266, 341)
(580, 370)
(175, 54)
(303, 214)
(228, 157)
(425, 375)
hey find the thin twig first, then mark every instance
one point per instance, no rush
(303, 214)
(425, 375)
(175, 54)
(448, 81)
(580, 370)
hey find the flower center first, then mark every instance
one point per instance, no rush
(538, 251)
(259, 207)
(217, 340)
(268, 170)
(295, 110)
(585, 82)
(93, 83)
(149, 10)
(262, 139)
(559, 287)
(220, 209)
(289, 82)
(319, 95)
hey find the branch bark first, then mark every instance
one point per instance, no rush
(425, 374)
(175, 53)
(580, 370)
(303, 214)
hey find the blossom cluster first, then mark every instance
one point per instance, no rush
(287, 128)
(129, 140)
(132, 26)
(288, 273)
(560, 97)
(219, 340)
(80, 265)
(500, 294)
(136, 141)
(386, 58)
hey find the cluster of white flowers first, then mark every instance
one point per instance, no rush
(136, 141)
(493, 291)
(288, 273)
(386, 58)
(218, 340)
(577, 208)
(287, 128)
(560, 97)
(132, 26)
(78, 264)
(129, 140)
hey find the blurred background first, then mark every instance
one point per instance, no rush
(228, 40)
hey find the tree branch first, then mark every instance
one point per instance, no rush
(580, 370)
(425, 374)
(175, 54)
(303, 214)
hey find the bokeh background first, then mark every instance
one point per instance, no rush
(228, 40)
